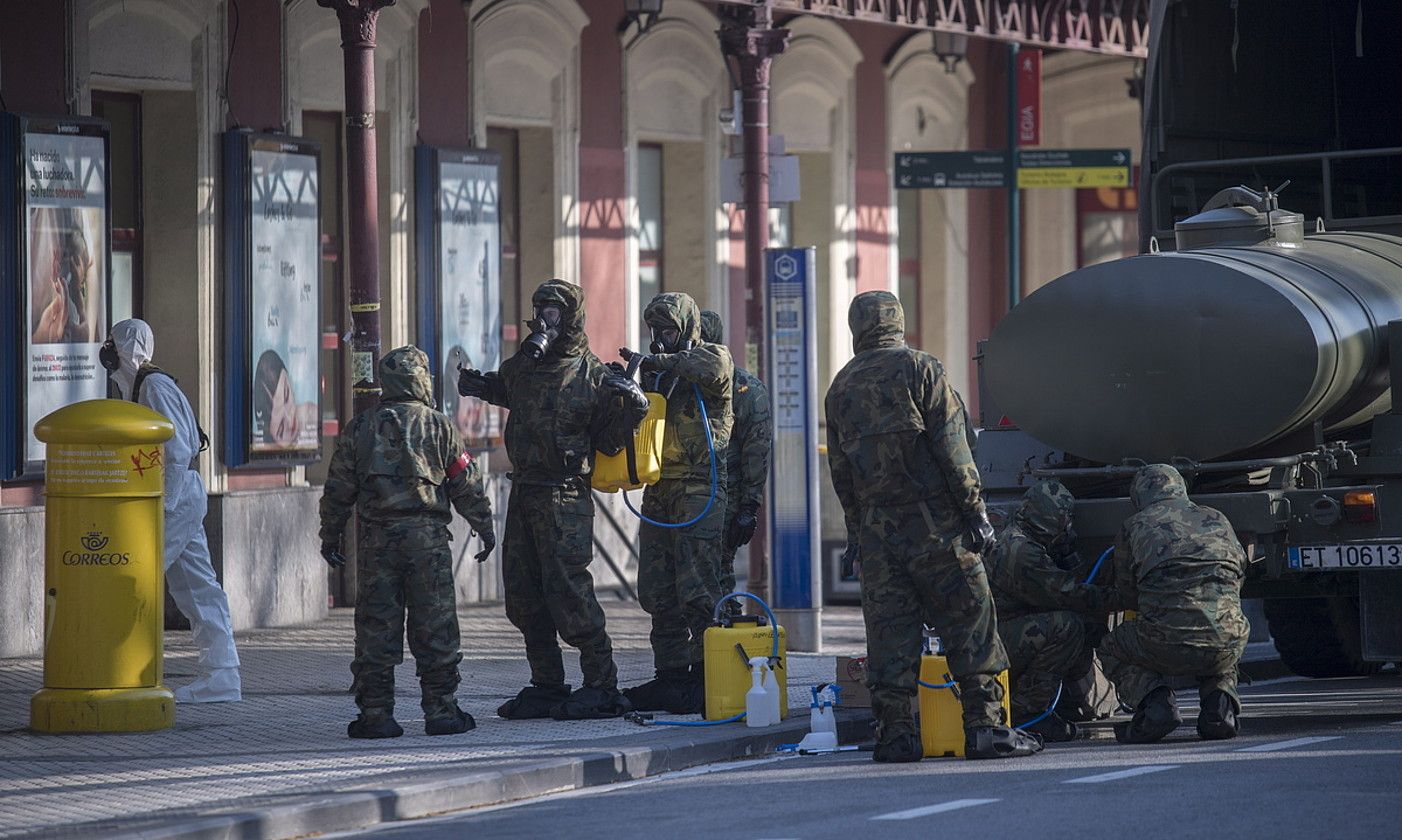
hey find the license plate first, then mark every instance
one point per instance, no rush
(1351, 556)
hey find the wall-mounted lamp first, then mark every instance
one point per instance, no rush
(950, 48)
(642, 12)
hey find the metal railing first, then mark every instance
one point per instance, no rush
(1326, 161)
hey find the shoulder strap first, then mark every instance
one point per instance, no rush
(145, 371)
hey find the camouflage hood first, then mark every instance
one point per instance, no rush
(570, 298)
(675, 309)
(712, 328)
(404, 376)
(1046, 511)
(876, 320)
(1156, 483)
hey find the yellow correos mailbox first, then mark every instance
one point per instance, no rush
(104, 581)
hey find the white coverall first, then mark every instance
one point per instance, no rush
(188, 571)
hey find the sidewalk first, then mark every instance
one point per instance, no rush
(279, 763)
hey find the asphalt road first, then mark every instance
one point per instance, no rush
(1316, 758)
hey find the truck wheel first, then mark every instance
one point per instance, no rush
(1319, 637)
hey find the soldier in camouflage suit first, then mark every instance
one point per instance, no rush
(899, 445)
(1179, 566)
(679, 570)
(1043, 602)
(563, 407)
(401, 466)
(746, 459)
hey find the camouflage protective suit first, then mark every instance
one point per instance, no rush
(403, 469)
(559, 414)
(1179, 566)
(1042, 598)
(679, 570)
(899, 448)
(747, 457)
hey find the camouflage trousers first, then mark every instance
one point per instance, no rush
(911, 577)
(393, 582)
(1137, 660)
(546, 552)
(1043, 650)
(679, 570)
(727, 565)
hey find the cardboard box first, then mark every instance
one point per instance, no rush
(852, 679)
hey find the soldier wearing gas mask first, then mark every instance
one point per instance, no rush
(564, 404)
(678, 573)
(1044, 603)
(746, 459)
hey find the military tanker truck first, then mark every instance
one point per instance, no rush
(1256, 342)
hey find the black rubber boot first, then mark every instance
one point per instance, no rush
(669, 690)
(455, 722)
(374, 726)
(1054, 729)
(902, 747)
(534, 701)
(590, 703)
(1218, 719)
(1156, 716)
(999, 742)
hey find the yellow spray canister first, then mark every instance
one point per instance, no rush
(941, 714)
(104, 576)
(641, 463)
(728, 648)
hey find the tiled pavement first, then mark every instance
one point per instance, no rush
(287, 738)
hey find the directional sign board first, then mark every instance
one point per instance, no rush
(1073, 168)
(952, 170)
(1090, 168)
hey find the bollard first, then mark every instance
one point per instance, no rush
(104, 576)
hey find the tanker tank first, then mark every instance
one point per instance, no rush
(1225, 348)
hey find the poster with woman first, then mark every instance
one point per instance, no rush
(469, 271)
(66, 266)
(284, 287)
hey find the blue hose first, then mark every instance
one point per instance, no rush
(773, 623)
(711, 445)
(1096, 568)
(924, 684)
(1043, 715)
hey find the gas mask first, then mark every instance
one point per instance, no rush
(545, 328)
(667, 339)
(107, 356)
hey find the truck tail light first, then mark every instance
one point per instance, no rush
(1360, 506)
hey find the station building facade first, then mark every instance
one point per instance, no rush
(612, 158)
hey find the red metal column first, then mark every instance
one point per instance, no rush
(358, 18)
(748, 35)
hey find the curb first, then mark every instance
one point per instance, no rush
(428, 794)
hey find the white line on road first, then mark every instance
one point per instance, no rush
(927, 810)
(1120, 774)
(1294, 742)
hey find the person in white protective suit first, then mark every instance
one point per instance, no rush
(188, 571)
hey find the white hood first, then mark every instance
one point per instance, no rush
(135, 345)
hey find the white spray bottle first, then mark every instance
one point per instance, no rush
(759, 707)
(822, 720)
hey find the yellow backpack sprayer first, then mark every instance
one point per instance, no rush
(640, 462)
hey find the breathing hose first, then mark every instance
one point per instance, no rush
(711, 445)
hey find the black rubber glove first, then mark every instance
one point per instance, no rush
(742, 527)
(472, 383)
(332, 555)
(489, 542)
(980, 533)
(646, 361)
(850, 561)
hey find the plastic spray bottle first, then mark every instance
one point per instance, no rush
(760, 708)
(822, 721)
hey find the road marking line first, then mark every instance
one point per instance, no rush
(927, 810)
(1294, 742)
(1120, 774)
